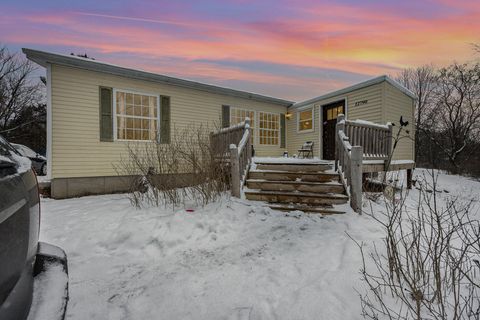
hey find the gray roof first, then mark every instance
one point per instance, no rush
(357, 86)
(43, 58)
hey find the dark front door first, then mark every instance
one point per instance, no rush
(330, 114)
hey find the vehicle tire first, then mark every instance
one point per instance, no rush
(43, 170)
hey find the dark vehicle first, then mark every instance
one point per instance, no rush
(39, 162)
(22, 257)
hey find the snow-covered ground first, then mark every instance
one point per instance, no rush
(233, 259)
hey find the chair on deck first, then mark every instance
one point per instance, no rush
(306, 151)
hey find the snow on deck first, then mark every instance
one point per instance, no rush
(232, 259)
(289, 160)
(393, 162)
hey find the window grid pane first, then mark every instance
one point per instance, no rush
(305, 120)
(136, 116)
(269, 128)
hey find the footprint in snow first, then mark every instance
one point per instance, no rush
(240, 313)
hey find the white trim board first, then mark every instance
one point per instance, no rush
(320, 126)
(49, 121)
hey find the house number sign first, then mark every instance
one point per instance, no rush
(362, 102)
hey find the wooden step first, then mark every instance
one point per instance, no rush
(296, 197)
(303, 186)
(276, 175)
(302, 167)
(324, 210)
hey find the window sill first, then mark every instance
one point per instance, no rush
(306, 131)
(127, 140)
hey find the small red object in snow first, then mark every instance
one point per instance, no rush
(189, 210)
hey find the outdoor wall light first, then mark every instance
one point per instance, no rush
(288, 115)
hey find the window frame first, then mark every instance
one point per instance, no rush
(255, 123)
(114, 106)
(312, 109)
(278, 129)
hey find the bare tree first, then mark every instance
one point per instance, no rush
(421, 81)
(427, 265)
(190, 167)
(19, 89)
(456, 112)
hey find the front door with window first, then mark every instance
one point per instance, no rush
(330, 114)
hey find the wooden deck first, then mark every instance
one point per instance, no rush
(367, 165)
(379, 165)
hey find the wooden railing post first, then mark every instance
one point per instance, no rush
(340, 126)
(356, 178)
(235, 171)
(389, 139)
(236, 141)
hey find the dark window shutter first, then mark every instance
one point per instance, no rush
(106, 114)
(282, 131)
(225, 116)
(164, 119)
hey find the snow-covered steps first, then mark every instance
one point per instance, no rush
(324, 210)
(295, 166)
(279, 175)
(296, 197)
(296, 184)
(302, 186)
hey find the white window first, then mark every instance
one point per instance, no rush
(269, 128)
(238, 115)
(136, 116)
(305, 120)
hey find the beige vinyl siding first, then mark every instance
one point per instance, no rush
(399, 104)
(76, 147)
(295, 138)
(371, 111)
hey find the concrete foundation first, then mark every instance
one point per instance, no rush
(62, 188)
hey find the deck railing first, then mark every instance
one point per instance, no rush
(375, 139)
(356, 141)
(235, 141)
(223, 138)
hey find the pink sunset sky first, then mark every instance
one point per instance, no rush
(283, 48)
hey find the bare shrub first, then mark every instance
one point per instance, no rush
(428, 264)
(187, 168)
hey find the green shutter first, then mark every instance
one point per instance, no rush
(282, 131)
(225, 116)
(106, 115)
(164, 119)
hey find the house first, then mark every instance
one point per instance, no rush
(94, 108)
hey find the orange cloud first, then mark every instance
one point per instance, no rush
(345, 38)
